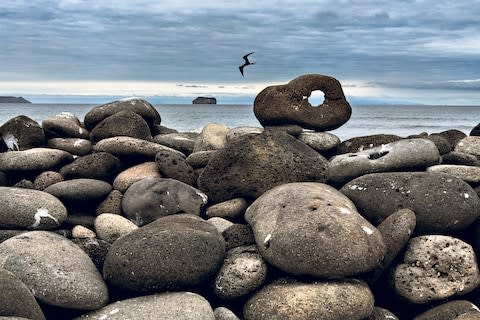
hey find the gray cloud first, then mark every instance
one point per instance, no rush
(395, 44)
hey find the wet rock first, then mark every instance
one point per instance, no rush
(136, 173)
(181, 141)
(470, 145)
(25, 208)
(33, 159)
(112, 204)
(17, 300)
(289, 221)
(153, 198)
(243, 271)
(434, 268)
(95, 248)
(123, 123)
(110, 227)
(200, 159)
(64, 125)
(449, 310)
(396, 156)
(319, 141)
(191, 251)
(466, 173)
(442, 203)
(231, 209)
(345, 299)
(74, 146)
(460, 158)
(242, 131)
(100, 166)
(165, 306)
(22, 133)
(288, 104)
(80, 190)
(137, 105)
(173, 165)
(55, 270)
(250, 165)
(46, 178)
(212, 137)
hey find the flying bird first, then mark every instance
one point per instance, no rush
(247, 62)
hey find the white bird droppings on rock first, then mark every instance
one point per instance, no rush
(42, 213)
(367, 230)
(11, 141)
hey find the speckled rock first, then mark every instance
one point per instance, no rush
(449, 310)
(212, 137)
(288, 104)
(131, 149)
(335, 300)
(220, 224)
(362, 143)
(238, 234)
(173, 165)
(123, 123)
(222, 313)
(80, 190)
(243, 271)
(381, 314)
(153, 198)
(136, 173)
(460, 158)
(137, 105)
(181, 141)
(164, 306)
(442, 144)
(191, 251)
(110, 227)
(290, 220)
(47, 178)
(17, 300)
(74, 146)
(434, 268)
(81, 232)
(232, 209)
(466, 173)
(33, 159)
(25, 208)
(442, 203)
(200, 159)
(95, 248)
(22, 133)
(319, 141)
(64, 125)
(396, 156)
(453, 136)
(252, 164)
(111, 204)
(99, 165)
(242, 131)
(470, 145)
(55, 270)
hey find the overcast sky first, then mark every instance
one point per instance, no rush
(412, 51)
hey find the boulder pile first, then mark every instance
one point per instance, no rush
(119, 217)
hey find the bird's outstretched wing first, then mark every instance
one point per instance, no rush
(241, 70)
(245, 57)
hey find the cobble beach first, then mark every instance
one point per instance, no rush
(118, 216)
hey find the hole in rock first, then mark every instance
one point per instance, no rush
(316, 98)
(377, 155)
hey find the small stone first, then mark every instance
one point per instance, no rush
(110, 227)
(230, 209)
(112, 204)
(220, 223)
(436, 267)
(172, 165)
(181, 141)
(200, 159)
(466, 173)
(95, 248)
(212, 137)
(124, 123)
(64, 125)
(319, 141)
(47, 178)
(80, 190)
(74, 146)
(99, 165)
(238, 235)
(222, 313)
(81, 232)
(136, 173)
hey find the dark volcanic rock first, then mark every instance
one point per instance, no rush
(365, 142)
(100, 165)
(22, 133)
(123, 123)
(453, 136)
(153, 198)
(460, 158)
(204, 100)
(289, 221)
(80, 190)
(252, 164)
(475, 131)
(442, 203)
(288, 104)
(64, 125)
(75, 146)
(190, 251)
(96, 249)
(173, 165)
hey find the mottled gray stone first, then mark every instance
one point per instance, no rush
(136, 173)
(64, 125)
(33, 159)
(164, 306)
(80, 190)
(232, 209)
(329, 300)
(320, 141)
(173, 165)
(190, 250)
(290, 221)
(181, 141)
(436, 267)
(449, 310)
(201, 158)
(460, 158)
(212, 137)
(123, 123)
(470, 145)
(75, 146)
(466, 173)
(358, 144)
(111, 204)
(47, 178)
(395, 156)
(153, 198)
(99, 165)
(238, 234)
(25, 208)
(242, 131)
(55, 270)
(110, 227)
(442, 203)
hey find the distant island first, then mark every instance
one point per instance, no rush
(204, 100)
(7, 99)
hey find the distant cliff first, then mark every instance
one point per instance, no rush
(204, 100)
(5, 99)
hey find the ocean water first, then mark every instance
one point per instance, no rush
(365, 120)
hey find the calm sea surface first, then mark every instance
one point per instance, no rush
(365, 120)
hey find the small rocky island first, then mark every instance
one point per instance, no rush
(8, 99)
(204, 100)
